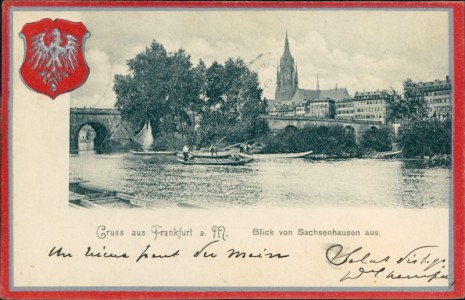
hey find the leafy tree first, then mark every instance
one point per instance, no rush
(160, 87)
(164, 88)
(233, 106)
(418, 135)
(410, 106)
(426, 138)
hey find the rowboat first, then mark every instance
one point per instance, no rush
(276, 155)
(322, 156)
(208, 155)
(154, 152)
(84, 194)
(210, 162)
(388, 154)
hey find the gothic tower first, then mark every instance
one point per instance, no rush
(286, 78)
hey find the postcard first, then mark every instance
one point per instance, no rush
(232, 150)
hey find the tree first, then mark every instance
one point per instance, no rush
(411, 106)
(234, 108)
(419, 136)
(160, 88)
(426, 138)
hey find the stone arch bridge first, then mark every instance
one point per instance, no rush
(111, 132)
(357, 126)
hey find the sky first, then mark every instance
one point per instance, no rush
(361, 50)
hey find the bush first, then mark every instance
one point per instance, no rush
(320, 139)
(377, 139)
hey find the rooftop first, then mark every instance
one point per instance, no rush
(436, 82)
(371, 93)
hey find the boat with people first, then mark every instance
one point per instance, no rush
(145, 139)
(216, 162)
(208, 155)
(276, 155)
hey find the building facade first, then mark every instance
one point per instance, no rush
(321, 108)
(438, 97)
(345, 109)
(371, 106)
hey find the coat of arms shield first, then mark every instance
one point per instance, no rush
(54, 61)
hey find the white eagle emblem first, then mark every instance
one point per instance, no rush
(54, 62)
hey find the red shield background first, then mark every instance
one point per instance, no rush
(32, 76)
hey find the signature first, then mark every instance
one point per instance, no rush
(421, 260)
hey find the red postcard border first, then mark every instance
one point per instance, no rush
(458, 287)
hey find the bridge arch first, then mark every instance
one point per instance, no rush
(290, 128)
(102, 136)
(350, 129)
(111, 132)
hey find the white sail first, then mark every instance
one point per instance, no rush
(144, 137)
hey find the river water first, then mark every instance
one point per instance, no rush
(298, 182)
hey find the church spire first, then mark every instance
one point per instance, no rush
(286, 45)
(336, 90)
(287, 51)
(317, 87)
(287, 78)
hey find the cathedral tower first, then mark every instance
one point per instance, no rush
(286, 78)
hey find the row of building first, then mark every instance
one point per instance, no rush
(290, 100)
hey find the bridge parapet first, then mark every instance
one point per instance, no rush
(314, 119)
(357, 126)
(95, 111)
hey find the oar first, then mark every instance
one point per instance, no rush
(219, 141)
(233, 145)
(214, 145)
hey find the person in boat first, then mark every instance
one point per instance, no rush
(235, 157)
(246, 147)
(185, 152)
(213, 150)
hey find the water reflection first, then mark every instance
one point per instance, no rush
(273, 183)
(420, 184)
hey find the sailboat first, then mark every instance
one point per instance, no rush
(145, 139)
